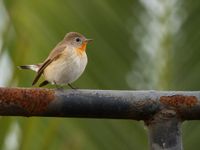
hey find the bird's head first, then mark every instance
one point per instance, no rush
(77, 41)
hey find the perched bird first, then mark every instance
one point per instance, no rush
(65, 63)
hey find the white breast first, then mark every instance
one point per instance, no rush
(66, 69)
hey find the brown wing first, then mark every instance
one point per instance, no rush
(40, 71)
(55, 54)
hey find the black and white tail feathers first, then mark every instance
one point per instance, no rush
(34, 68)
(30, 67)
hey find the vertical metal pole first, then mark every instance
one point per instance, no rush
(165, 131)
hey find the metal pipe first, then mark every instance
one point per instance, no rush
(75, 103)
(162, 112)
(164, 130)
(137, 105)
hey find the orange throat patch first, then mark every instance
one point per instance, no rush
(82, 48)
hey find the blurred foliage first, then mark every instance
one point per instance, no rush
(118, 29)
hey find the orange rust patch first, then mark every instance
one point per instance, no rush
(82, 48)
(33, 101)
(179, 100)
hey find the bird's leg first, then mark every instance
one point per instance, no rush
(57, 86)
(74, 88)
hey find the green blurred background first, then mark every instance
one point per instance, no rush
(138, 44)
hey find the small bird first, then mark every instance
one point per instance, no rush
(65, 63)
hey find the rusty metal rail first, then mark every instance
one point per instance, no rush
(161, 111)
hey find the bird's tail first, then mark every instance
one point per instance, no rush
(30, 67)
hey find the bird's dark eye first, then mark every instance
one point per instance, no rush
(78, 40)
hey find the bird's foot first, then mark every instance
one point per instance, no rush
(58, 87)
(72, 87)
